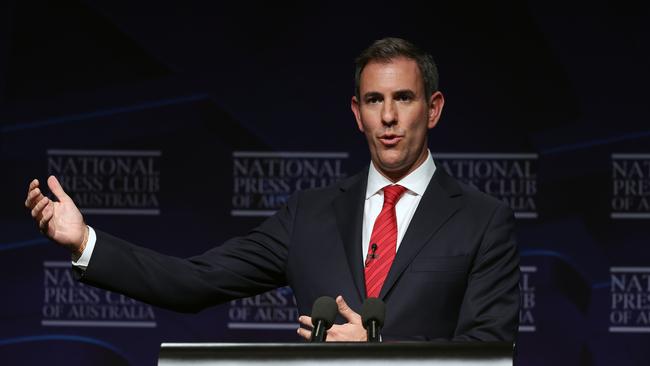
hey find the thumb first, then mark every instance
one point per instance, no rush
(56, 188)
(346, 311)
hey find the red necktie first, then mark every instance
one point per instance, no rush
(383, 242)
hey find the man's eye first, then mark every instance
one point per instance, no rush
(373, 100)
(403, 98)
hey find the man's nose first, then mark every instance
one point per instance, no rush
(389, 113)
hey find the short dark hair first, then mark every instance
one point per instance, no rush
(388, 49)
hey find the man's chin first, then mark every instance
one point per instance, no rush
(391, 169)
(394, 167)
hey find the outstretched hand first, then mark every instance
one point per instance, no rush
(60, 221)
(352, 331)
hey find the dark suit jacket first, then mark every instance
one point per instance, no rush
(455, 275)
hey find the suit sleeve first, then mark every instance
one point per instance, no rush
(490, 307)
(240, 267)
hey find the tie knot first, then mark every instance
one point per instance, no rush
(392, 194)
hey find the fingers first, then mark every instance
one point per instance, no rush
(48, 212)
(34, 195)
(306, 322)
(33, 184)
(36, 211)
(347, 312)
(56, 188)
(304, 333)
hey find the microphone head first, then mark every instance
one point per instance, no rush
(324, 309)
(373, 309)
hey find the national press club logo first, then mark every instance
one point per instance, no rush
(630, 186)
(69, 303)
(264, 180)
(275, 309)
(630, 299)
(511, 178)
(109, 182)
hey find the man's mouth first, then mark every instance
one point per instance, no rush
(390, 140)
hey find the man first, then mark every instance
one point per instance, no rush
(441, 255)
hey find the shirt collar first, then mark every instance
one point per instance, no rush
(416, 182)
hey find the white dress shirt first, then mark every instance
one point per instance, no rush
(84, 258)
(415, 183)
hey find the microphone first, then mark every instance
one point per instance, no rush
(323, 313)
(373, 314)
(371, 256)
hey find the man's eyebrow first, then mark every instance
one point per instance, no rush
(372, 94)
(405, 93)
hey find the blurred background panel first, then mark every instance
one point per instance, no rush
(177, 125)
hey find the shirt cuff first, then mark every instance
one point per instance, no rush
(84, 258)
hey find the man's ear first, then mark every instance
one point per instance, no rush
(354, 105)
(436, 103)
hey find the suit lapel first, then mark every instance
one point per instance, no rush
(348, 207)
(439, 202)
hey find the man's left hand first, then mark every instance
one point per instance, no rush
(352, 331)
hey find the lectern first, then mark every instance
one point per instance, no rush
(398, 353)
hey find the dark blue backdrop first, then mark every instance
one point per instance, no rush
(177, 125)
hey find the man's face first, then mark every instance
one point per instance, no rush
(395, 115)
